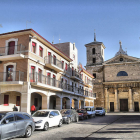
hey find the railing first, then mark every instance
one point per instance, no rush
(11, 76)
(77, 74)
(90, 94)
(79, 91)
(17, 49)
(89, 82)
(52, 60)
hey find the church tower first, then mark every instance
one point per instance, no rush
(95, 60)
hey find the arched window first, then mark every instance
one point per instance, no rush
(93, 51)
(122, 73)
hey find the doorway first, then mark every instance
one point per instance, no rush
(136, 106)
(123, 104)
(111, 106)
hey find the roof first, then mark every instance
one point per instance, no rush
(36, 34)
(94, 43)
(121, 51)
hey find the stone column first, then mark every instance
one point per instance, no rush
(26, 102)
(58, 103)
(82, 104)
(116, 101)
(45, 102)
(131, 100)
(107, 100)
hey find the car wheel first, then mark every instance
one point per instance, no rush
(46, 126)
(77, 119)
(60, 123)
(69, 120)
(28, 132)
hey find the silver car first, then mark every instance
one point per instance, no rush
(14, 124)
(100, 111)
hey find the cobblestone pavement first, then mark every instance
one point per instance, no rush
(113, 126)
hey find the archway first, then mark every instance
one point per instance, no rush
(75, 103)
(55, 102)
(66, 103)
(81, 104)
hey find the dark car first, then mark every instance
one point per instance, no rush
(14, 124)
(69, 115)
(82, 114)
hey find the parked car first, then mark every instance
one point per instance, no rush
(47, 118)
(82, 114)
(100, 111)
(90, 110)
(69, 115)
(14, 124)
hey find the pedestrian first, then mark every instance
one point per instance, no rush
(33, 109)
(15, 108)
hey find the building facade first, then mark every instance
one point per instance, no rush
(117, 80)
(34, 71)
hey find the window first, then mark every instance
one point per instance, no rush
(52, 113)
(48, 78)
(40, 51)
(53, 82)
(36, 102)
(122, 73)
(26, 116)
(18, 101)
(93, 51)
(9, 73)
(66, 66)
(94, 74)
(94, 60)
(19, 117)
(39, 75)
(56, 113)
(121, 59)
(54, 59)
(32, 77)
(10, 118)
(73, 57)
(6, 100)
(62, 64)
(33, 47)
(49, 57)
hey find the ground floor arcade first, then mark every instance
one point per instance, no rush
(24, 98)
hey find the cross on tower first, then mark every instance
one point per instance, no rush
(120, 43)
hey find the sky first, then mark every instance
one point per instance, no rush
(75, 20)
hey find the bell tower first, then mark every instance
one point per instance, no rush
(94, 65)
(95, 52)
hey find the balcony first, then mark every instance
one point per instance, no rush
(79, 91)
(43, 81)
(12, 53)
(54, 63)
(88, 83)
(89, 94)
(11, 78)
(76, 76)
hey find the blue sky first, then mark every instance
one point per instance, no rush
(75, 21)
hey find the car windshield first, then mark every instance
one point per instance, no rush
(88, 109)
(2, 115)
(40, 114)
(65, 111)
(80, 111)
(98, 108)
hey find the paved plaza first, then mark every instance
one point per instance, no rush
(112, 126)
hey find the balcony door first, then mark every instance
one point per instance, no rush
(49, 58)
(11, 47)
(9, 73)
(32, 79)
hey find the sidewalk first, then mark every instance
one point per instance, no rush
(123, 113)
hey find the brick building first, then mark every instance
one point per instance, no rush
(117, 80)
(34, 71)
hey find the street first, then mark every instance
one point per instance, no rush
(112, 126)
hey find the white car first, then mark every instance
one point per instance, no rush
(100, 111)
(47, 118)
(90, 110)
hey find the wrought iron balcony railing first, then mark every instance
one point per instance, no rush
(17, 49)
(52, 60)
(77, 74)
(11, 76)
(89, 82)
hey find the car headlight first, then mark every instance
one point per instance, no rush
(65, 117)
(40, 121)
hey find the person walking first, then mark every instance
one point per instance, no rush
(15, 108)
(33, 109)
